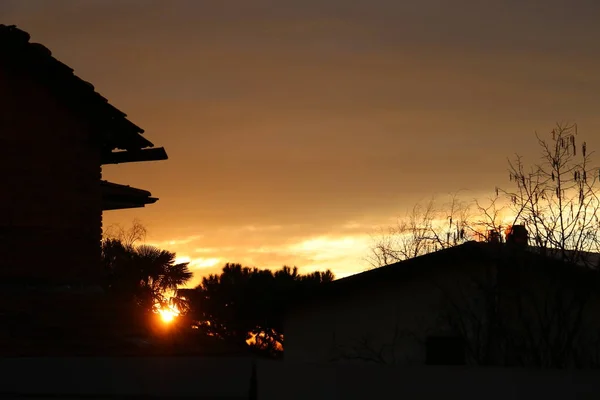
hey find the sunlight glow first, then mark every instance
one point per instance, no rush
(167, 313)
(252, 340)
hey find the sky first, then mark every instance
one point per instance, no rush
(296, 129)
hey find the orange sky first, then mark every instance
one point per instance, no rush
(295, 127)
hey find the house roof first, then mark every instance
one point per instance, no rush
(405, 270)
(21, 56)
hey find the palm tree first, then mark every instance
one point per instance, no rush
(144, 272)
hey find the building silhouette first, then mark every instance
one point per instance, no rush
(484, 304)
(56, 133)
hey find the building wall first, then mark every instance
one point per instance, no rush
(547, 303)
(50, 222)
(50, 211)
(378, 318)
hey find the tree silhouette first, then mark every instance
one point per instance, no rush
(557, 198)
(535, 309)
(128, 236)
(244, 304)
(142, 273)
(428, 227)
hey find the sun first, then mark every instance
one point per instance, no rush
(167, 315)
(167, 311)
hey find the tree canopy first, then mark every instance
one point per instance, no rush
(246, 305)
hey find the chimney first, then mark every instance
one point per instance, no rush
(517, 235)
(493, 236)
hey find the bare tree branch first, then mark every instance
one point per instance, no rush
(425, 229)
(129, 237)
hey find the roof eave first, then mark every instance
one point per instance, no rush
(119, 197)
(119, 157)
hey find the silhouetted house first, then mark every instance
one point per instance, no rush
(476, 303)
(56, 132)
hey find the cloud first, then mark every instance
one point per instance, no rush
(293, 129)
(343, 254)
(175, 242)
(199, 263)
